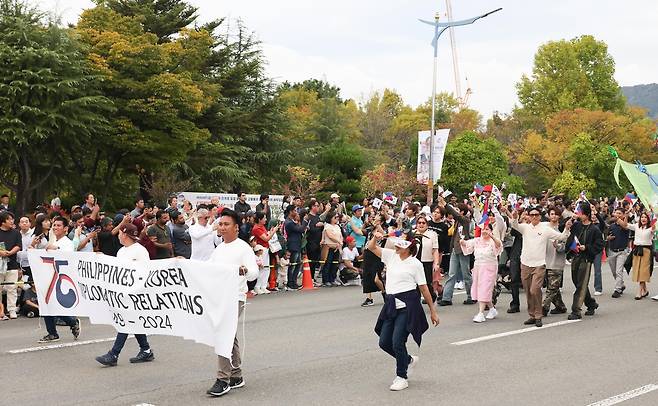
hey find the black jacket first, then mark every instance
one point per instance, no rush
(590, 236)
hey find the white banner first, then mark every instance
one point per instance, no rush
(229, 200)
(423, 167)
(191, 299)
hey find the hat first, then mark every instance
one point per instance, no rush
(130, 230)
(252, 238)
(356, 207)
(402, 243)
(259, 247)
(75, 207)
(250, 213)
(487, 188)
(350, 239)
(335, 196)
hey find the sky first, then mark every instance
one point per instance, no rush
(365, 46)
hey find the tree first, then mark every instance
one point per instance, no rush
(49, 100)
(164, 18)
(571, 74)
(470, 159)
(577, 141)
(383, 178)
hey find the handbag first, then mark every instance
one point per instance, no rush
(275, 245)
(628, 264)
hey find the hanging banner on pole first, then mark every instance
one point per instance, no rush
(423, 166)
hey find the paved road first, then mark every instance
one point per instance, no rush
(318, 348)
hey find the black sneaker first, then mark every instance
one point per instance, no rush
(590, 310)
(469, 301)
(108, 360)
(558, 311)
(143, 356)
(445, 303)
(538, 323)
(75, 330)
(574, 316)
(219, 388)
(616, 294)
(368, 302)
(513, 310)
(530, 321)
(48, 339)
(235, 383)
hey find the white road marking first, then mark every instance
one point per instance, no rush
(625, 396)
(63, 345)
(514, 332)
(144, 404)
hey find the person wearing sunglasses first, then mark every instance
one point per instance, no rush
(533, 258)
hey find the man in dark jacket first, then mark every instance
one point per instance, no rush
(294, 230)
(241, 206)
(584, 243)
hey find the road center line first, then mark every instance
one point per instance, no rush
(514, 332)
(63, 345)
(625, 396)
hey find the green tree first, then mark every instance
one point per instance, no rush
(571, 74)
(49, 101)
(470, 159)
(164, 18)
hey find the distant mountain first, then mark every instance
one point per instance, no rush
(644, 96)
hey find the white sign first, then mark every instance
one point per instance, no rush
(191, 299)
(438, 152)
(229, 200)
(377, 203)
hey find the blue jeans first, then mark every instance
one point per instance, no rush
(458, 263)
(598, 282)
(293, 270)
(51, 327)
(329, 269)
(120, 341)
(393, 340)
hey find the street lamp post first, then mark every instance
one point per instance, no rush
(439, 28)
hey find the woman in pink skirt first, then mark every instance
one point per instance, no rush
(485, 271)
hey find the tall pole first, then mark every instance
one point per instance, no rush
(430, 180)
(439, 28)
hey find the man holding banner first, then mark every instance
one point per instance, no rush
(237, 255)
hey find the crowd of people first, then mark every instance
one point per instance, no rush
(482, 243)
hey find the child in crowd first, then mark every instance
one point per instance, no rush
(282, 265)
(263, 270)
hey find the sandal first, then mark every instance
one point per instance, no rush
(3, 318)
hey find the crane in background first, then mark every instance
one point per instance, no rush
(462, 100)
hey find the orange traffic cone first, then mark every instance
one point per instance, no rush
(307, 281)
(273, 273)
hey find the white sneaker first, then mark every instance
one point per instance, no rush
(459, 285)
(265, 291)
(412, 365)
(597, 293)
(12, 315)
(479, 318)
(654, 297)
(399, 384)
(492, 313)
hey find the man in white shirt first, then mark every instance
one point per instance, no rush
(347, 268)
(63, 243)
(533, 258)
(27, 234)
(204, 236)
(131, 251)
(237, 256)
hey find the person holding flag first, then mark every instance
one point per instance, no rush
(533, 258)
(585, 243)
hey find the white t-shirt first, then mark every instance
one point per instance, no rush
(430, 242)
(402, 276)
(64, 244)
(134, 252)
(203, 241)
(348, 255)
(643, 236)
(235, 254)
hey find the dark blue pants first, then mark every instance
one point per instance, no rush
(293, 270)
(393, 340)
(120, 341)
(330, 268)
(51, 327)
